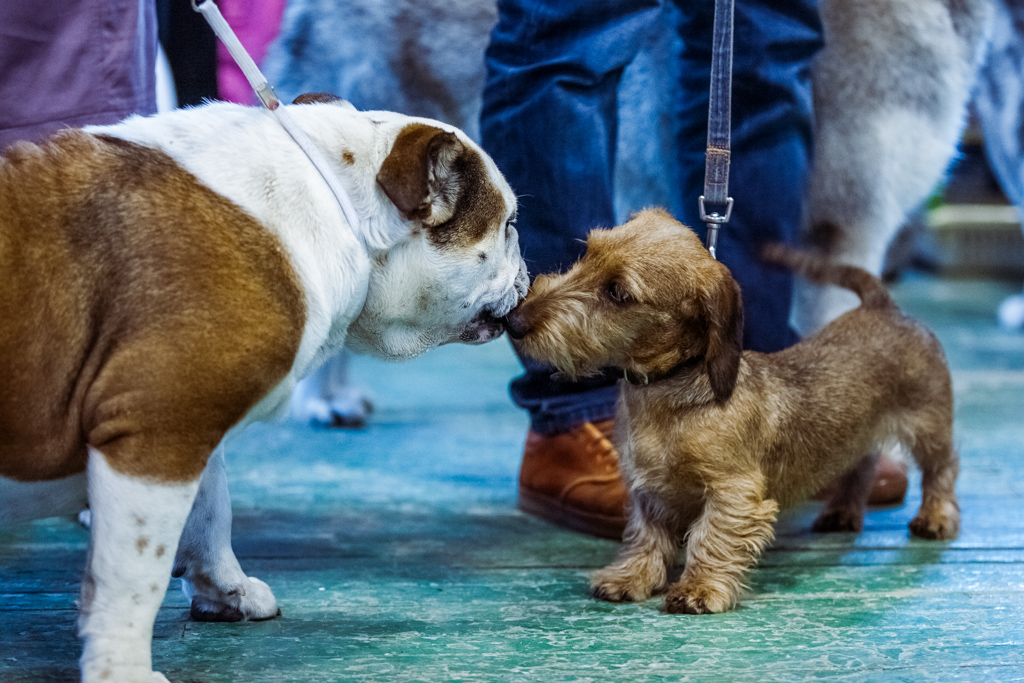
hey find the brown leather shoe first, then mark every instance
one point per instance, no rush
(573, 480)
(888, 488)
(890, 485)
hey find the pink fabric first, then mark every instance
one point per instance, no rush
(256, 22)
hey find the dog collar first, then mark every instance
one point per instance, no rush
(268, 98)
(643, 380)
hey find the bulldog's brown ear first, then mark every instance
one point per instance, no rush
(419, 174)
(315, 98)
(724, 310)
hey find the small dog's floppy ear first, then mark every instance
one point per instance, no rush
(418, 174)
(724, 310)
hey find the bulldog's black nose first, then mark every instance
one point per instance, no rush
(516, 324)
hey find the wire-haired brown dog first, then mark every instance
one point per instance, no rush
(713, 440)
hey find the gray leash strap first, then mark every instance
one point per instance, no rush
(716, 162)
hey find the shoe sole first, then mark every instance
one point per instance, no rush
(888, 488)
(574, 519)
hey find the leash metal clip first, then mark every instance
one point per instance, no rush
(714, 216)
(268, 98)
(714, 220)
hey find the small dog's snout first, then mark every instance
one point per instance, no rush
(516, 324)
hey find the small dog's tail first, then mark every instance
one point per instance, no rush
(822, 271)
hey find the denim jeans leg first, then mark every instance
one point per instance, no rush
(549, 121)
(774, 44)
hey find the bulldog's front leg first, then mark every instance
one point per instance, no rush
(136, 524)
(210, 574)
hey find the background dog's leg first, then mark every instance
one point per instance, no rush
(844, 510)
(721, 546)
(210, 574)
(891, 88)
(649, 547)
(135, 528)
(350, 406)
(939, 516)
(999, 102)
(327, 398)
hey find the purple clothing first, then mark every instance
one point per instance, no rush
(74, 63)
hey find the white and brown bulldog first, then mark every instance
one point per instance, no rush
(166, 280)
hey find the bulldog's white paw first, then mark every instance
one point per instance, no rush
(252, 600)
(349, 408)
(105, 674)
(259, 602)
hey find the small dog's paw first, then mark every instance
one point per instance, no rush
(611, 592)
(695, 599)
(942, 526)
(684, 604)
(840, 519)
(612, 585)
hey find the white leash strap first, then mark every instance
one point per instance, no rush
(269, 99)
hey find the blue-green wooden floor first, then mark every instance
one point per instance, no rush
(397, 554)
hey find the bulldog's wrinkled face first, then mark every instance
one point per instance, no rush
(458, 269)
